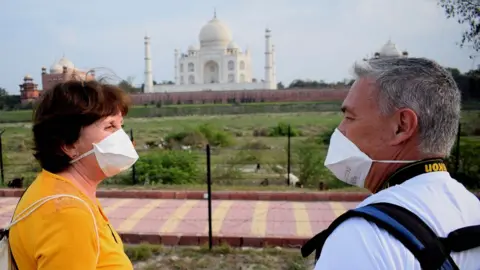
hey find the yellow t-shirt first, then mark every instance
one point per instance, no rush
(61, 233)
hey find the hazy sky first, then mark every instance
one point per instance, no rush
(314, 39)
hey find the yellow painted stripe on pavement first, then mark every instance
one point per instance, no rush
(8, 208)
(338, 208)
(171, 224)
(219, 215)
(128, 224)
(259, 221)
(117, 204)
(302, 220)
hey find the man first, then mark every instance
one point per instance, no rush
(399, 111)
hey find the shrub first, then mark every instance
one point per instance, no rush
(168, 167)
(308, 158)
(199, 137)
(261, 132)
(215, 136)
(255, 145)
(324, 137)
(468, 164)
(281, 130)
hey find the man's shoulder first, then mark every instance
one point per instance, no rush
(368, 247)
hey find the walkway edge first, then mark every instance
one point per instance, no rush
(197, 240)
(224, 195)
(221, 195)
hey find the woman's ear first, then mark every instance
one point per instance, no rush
(70, 150)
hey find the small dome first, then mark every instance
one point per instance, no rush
(27, 77)
(64, 62)
(389, 50)
(193, 47)
(56, 68)
(233, 45)
(215, 33)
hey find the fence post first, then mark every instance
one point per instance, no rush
(289, 151)
(134, 171)
(457, 153)
(209, 194)
(1, 158)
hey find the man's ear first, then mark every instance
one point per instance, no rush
(406, 124)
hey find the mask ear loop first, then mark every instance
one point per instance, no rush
(81, 156)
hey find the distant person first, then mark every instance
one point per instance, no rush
(79, 141)
(400, 122)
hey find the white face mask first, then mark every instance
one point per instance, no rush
(348, 163)
(114, 154)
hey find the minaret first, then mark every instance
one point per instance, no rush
(268, 60)
(148, 84)
(274, 69)
(175, 64)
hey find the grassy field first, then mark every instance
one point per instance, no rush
(19, 161)
(152, 110)
(149, 257)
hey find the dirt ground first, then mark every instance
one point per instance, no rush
(148, 257)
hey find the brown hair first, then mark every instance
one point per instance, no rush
(63, 111)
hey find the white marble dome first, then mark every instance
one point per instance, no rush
(389, 50)
(215, 33)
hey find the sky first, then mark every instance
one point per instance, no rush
(314, 39)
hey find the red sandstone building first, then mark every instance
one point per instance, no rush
(59, 72)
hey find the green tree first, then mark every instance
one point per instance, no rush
(466, 12)
(3, 92)
(127, 86)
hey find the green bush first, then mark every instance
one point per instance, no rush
(281, 130)
(308, 157)
(468, 164)
(200, 136)
(215, 136)
(324, 137)
(168, 167)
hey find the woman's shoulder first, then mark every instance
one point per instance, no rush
(48, 195)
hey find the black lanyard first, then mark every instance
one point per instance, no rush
(414, 169)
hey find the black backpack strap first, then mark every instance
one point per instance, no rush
(463, 239)
(431, 251)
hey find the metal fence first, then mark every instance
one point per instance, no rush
(255, 165)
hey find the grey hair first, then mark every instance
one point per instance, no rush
(423, 86)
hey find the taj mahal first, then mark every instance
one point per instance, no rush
(217, 63)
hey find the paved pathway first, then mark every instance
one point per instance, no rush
(229, 217)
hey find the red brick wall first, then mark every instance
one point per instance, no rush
(287, 95)
(50, 80)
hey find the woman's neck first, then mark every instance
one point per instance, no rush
(87, 186)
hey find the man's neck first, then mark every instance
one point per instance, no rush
(383, 171)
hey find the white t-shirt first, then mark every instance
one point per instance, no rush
(440, 201)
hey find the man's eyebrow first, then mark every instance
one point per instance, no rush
(346, 109)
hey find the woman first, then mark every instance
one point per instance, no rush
(79, 141)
